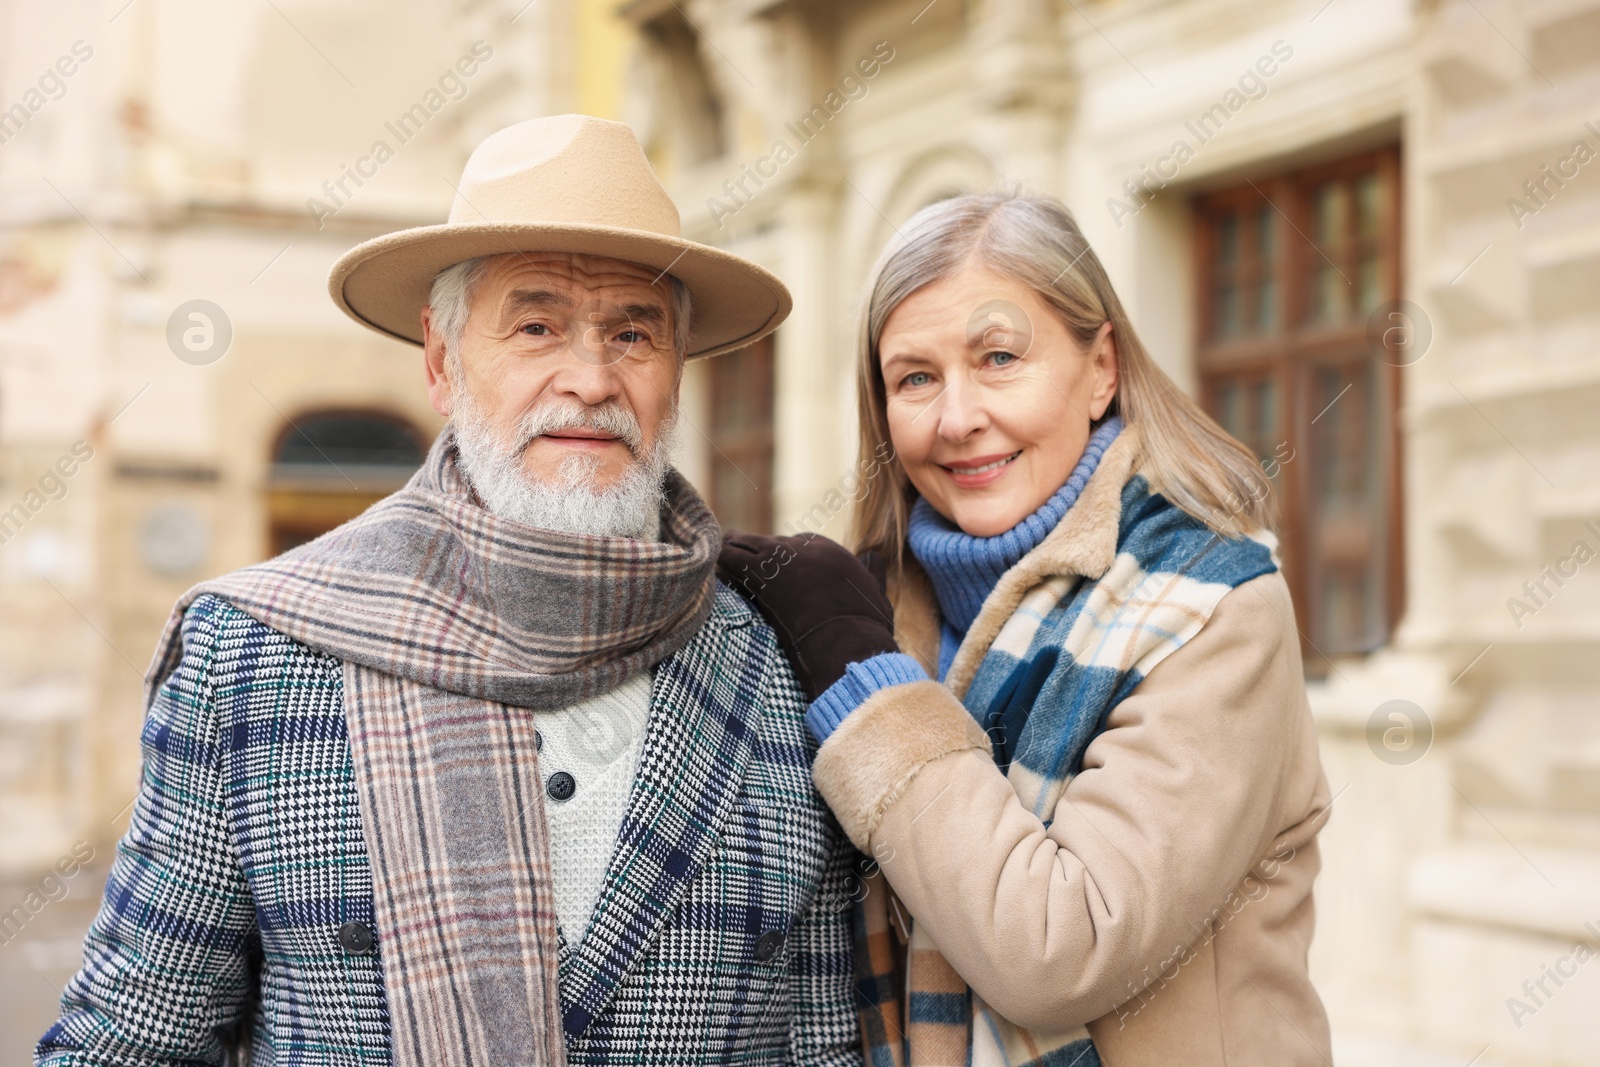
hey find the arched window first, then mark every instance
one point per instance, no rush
(329, 466)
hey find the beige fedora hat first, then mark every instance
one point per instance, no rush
(567, 183)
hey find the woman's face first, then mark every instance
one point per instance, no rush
(989, 398)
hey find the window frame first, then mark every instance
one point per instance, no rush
(1291, 354)
(746, 450)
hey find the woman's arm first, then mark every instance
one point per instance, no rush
(1178, 798)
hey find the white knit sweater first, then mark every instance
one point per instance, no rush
(597, 742)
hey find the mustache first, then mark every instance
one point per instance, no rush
(609, 418)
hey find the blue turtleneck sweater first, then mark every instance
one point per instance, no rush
(964, 570)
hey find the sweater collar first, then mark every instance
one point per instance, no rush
(963, 568)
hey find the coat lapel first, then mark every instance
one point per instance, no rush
(705, 709)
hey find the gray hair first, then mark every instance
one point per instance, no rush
(451, 300)
(1035, 241)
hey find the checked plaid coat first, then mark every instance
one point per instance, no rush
(245, 856)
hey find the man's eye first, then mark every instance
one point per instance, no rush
(632, 337)
(536, 329)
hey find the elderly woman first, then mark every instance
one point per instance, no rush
(1083, 760)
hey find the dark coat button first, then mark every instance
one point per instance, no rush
(538, 741)
(356, 938)
(562, 785)
(768, 945)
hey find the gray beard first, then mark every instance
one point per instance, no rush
(574, 502)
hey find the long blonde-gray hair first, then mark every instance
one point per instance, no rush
(1034, 240)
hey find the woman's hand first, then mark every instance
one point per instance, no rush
(828, 609)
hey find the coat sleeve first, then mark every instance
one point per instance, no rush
(1178, 798)
(168, 958)
(824, 1027)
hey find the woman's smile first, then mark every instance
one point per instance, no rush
(980, 471)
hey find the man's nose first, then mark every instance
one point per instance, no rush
(587, 377)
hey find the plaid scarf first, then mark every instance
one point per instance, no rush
(449, 620)
(1070, 651)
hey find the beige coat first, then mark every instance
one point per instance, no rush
(1168, 904)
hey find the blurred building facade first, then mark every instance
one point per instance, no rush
(1280, 190)
(178, 395)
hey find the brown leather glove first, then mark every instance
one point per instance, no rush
(828, 609)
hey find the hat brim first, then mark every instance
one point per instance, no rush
(384, 283)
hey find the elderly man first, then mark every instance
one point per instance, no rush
(496, 773)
